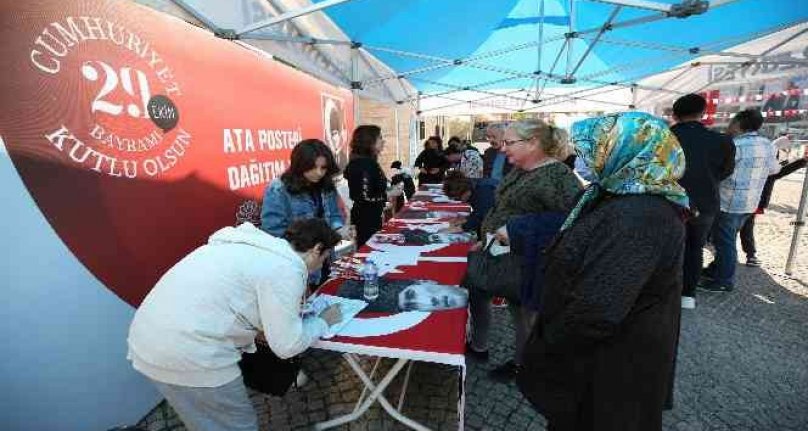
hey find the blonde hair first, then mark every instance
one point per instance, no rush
(554, 141)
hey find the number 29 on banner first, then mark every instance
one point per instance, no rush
(113, 78)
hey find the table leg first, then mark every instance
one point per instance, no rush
(376, 394)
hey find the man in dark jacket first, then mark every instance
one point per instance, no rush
(710, 158)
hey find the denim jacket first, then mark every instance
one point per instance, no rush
(280, 208)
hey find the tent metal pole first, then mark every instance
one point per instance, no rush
(628, 23)
(363, 56)
(288, 38)
(539, 50)
(290, 15)
(467, 102)
(570, 38)
(398, 134)
(552, 69)
(639, 4)
(196, 14)
(798, 225)
(670, 48)
(595, 41)
(355, 84)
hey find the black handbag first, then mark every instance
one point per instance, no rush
(265, 372)
(498, 275)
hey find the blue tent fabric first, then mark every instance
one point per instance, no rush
(461, 29)
(548, 20)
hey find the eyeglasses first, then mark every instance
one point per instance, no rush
(511, 143)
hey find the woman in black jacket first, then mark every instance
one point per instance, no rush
(366, 182)
(431, 162)
(601, 355)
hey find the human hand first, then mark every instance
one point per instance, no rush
(453, 229)
(348, 232)
(502, 235)
(456, 221)
(332, 315)
(477, 246)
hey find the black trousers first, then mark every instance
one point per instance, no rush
(748, 236)
(697, 230)
(367, 217)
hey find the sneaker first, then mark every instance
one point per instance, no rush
(505, 372)
(712, 287)
(752, 261)
(476, 354)
(688, 302)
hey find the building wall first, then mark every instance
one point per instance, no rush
(384, 116)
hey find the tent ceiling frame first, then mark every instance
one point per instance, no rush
(468, 102)
(458, 88)
(679, 49)
(539, 51)
(752, 62)
(552, 69)
(471, 61)
(481, 85)
(570, 34)
(664, 58)
(591, 46)
(566, 98)
(286, 16)
(326, 59)
(197, 14)
(363, 57)
(280, 37)
(639, 4)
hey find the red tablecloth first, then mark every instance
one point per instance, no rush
(439, 338)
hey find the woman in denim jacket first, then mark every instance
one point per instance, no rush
(305, 190)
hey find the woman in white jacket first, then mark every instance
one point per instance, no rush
(189, 333)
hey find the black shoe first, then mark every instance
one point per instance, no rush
(752, 261)
(712, 287)
(476, 355)
(505, 372)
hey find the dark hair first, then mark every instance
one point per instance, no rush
(395, 165)
(453, 140)
(304, 158)
(304, 234)
(436, 139)
(749, 120)
(456, 184)
(363, 141)
(689, 105)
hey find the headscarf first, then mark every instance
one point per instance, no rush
(630, 153)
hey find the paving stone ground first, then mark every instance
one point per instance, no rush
(743, 361)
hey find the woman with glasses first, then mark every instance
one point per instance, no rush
(539, 182)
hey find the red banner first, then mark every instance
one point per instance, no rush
(138, 134)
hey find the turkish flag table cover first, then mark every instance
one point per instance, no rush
(438, 338)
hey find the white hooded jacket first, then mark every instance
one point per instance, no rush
(206, 310)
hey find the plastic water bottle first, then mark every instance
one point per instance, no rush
(370, 275)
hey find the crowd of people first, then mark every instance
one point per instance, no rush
(612, 217)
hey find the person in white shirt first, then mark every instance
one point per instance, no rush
(755, 161)
(191, 329)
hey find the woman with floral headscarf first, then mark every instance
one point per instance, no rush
(602, 353)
